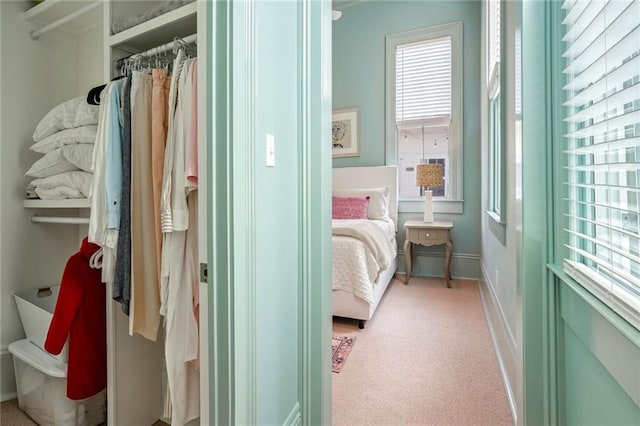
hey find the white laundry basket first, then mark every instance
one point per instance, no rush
(42, 390)
(36, 307)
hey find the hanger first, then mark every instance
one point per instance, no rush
(180, 44)
(93, 97)
(167, 62)
(95, 261)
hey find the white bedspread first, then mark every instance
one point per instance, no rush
(361, 250)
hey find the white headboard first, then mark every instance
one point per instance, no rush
(370, 177)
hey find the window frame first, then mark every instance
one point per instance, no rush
(496, 159)
(497, 134)
(455, 31)
(616, 303)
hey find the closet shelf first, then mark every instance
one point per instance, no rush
(54, 14)
(180, 22)
(57, 204)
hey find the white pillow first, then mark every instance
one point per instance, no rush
(378, 200)
(77, 180)
(58, 193)
(68, 115)
(80, 155)
(84, 134)
(52, 163)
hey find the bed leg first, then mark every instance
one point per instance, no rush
(361, 324)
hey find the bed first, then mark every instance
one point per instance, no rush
(357, 290)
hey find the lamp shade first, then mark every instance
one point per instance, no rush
(430, 175)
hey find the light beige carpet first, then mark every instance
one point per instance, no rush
(425, 358)
(11, 415)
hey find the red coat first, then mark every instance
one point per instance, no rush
(81, 314)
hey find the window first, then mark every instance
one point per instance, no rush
(497, 183)
(424, 112)
(602, 144)
(493, 45)
(495, 157)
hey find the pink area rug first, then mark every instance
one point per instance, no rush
(340, 348)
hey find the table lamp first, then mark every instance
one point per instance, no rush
(429, 176)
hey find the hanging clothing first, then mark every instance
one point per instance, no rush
(113, 172)
(180, 185)
(106, 187)
(97, 199)
(192, 140)
(158, 150)
(135, 85)
(181, 345)
(166, 221)
(159, 123)
(80, 314)
(122, 278)
(191, 180)
(180, 251)
(146, 300)
(99, 232)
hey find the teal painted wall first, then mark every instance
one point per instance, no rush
(597, 399)
(359, 81)
(581, 361)
(601, 365)
(270, 226)
(277, 191)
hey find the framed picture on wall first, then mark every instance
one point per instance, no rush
(344, 133)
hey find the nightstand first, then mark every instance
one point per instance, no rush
(428, 234)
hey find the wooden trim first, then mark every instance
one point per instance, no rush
(204, 135)
(315, 192)
(490, 303)
(250, 193)
(220, 217)
(540, 349)
(241, 151)
(295, 416)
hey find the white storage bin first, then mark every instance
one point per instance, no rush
(42, 390)
(36, 307)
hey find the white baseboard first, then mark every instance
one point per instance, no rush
(8, 396)
(497, 323)
(427, 264)
(295, 417)
(8, 389)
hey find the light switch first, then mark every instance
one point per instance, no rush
(271, 150)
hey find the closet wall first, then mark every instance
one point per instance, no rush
(35, 76)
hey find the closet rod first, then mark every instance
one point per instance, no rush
(60, 220)
(55, 24)
(168, 46)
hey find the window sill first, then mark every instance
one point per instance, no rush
(622, 325)
(611, 296)
(498, 227)
(612, 340)
(439, 206)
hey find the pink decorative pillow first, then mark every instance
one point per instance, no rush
(350, 207)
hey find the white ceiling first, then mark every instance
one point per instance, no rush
(341, 4)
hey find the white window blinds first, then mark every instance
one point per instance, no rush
(494, 43)
(602, 92)
(423, 82)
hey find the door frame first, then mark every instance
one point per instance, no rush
(231, 298)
